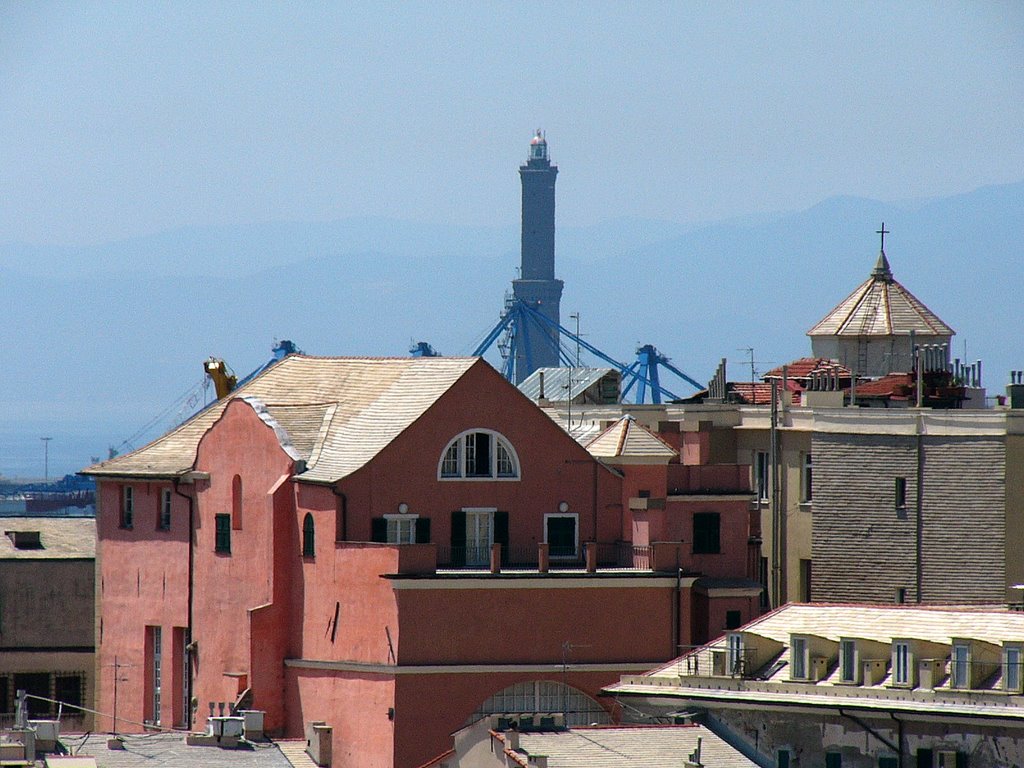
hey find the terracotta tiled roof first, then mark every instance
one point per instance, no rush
(805, 366)
(880, 306)
(887, 386)
(626, 439)
(336, 413)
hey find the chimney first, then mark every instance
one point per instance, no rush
(1015, 389)
(693, 761)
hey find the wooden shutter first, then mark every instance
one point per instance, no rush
(423, 530)
(458, 537)
(501, 534)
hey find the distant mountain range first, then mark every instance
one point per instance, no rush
(102, 339)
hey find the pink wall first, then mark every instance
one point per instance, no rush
(229, 585)
(141, 577)
(591, 617)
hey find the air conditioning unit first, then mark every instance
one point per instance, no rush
(226, 727)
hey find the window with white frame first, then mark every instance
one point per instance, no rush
(544, 696)
(848, 661)
(1011, 668)
(960, 666)
(761, 474)
(805, 479)
(734, 646)
(479, 454)
(798, 658)
(901, 660)
(401, 529)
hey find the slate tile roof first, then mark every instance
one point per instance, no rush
(627, 439)
(61, 538)
(335, 413)
(168, 750)
(880, 306)
(691, 676)
(556, 382)
(665, 746)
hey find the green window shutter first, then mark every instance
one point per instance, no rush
(501, 534)
(423, 530)
(458, 537)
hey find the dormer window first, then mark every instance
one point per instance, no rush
(734, 644)
(479, 455)
(798, 658)
(960, 666)
(902, 660)
(25, 539)
(1012, 658)
(848, 661)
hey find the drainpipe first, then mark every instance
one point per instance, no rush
(191, 593)
(919, 505)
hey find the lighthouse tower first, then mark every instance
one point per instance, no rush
(537, 286)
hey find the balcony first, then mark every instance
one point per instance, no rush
(589, 557)
(708, 479)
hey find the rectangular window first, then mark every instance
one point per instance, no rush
(798, 658)
(1011, 668)
(805, 480)
(127, 506)
(165, 510)
(68, 690)
(222, 533)
(401, 529)
(888, 761)
(959, 666)
(156, 670)
(782, 758)
(706, 529)
(560, 533)
(478, 454)
(901, 493)
(450, 462)
(833, 760)
(805, 581)
(734, 645)
(761, 474)
(733, 619)
(901, 664)
(848, 661)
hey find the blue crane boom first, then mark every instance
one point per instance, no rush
(519, 316)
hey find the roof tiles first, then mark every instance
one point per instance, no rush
(336, 413)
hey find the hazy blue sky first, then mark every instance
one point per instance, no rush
(119, 119)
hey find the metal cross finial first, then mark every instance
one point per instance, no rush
(883, 232)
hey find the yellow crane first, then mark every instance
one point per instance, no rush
(224, 379)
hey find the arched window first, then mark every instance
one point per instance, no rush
(308, 533)
(236, 502)
(544, 697)
(479, 454)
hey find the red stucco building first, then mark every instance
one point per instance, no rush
(395, 545)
